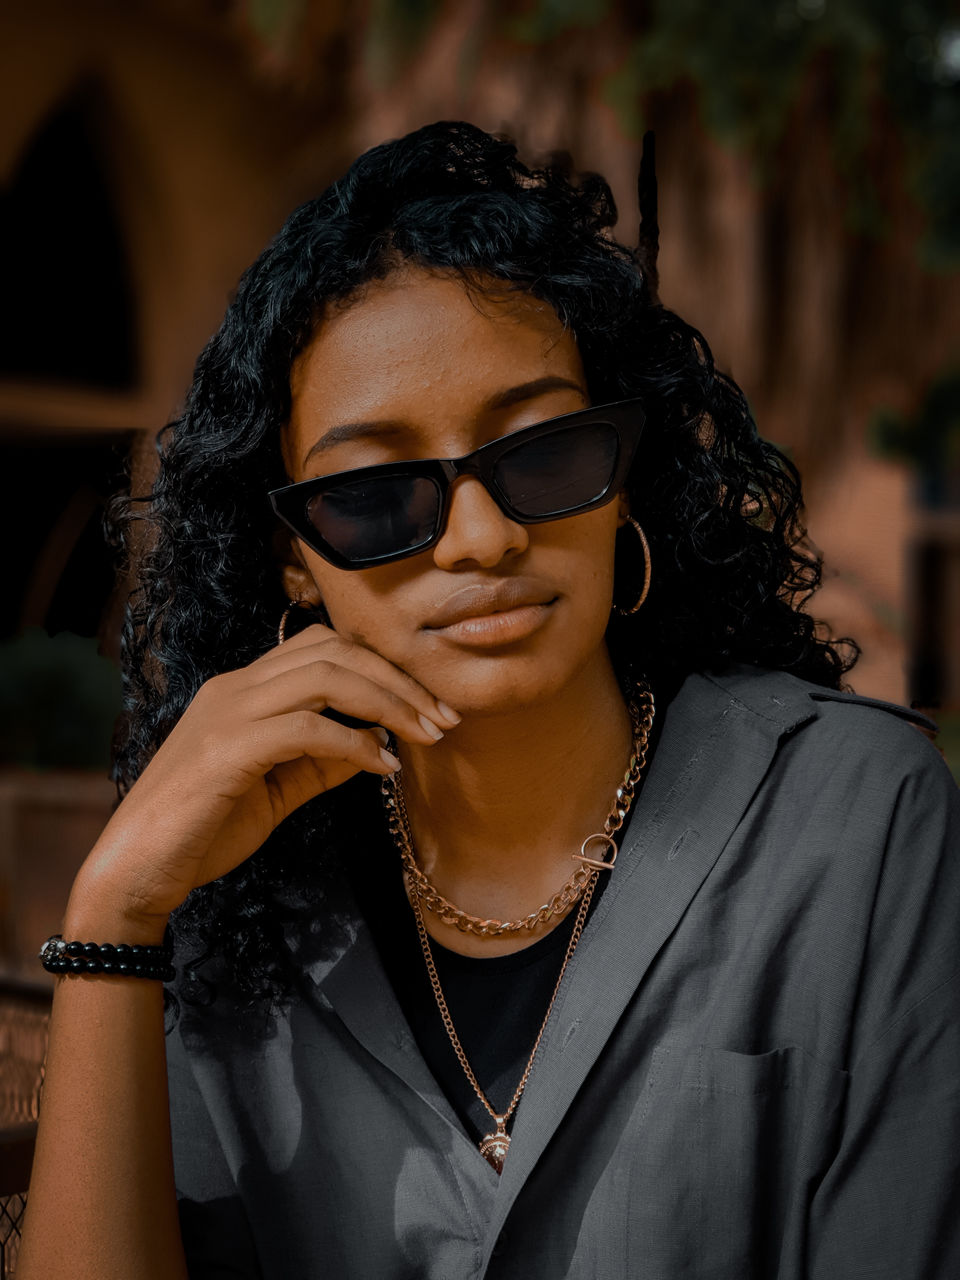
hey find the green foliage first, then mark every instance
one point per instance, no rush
(58, 702)
(930, 441)
(272, 20)
(545, 20)
(395, 32)
(748, 63)
(948, 739)
(746, 72)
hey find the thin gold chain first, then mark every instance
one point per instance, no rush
(500, 1120)
(582, 884)
(641, 715)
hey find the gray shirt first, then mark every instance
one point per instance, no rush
(752, 1071)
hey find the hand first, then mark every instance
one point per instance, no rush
(251, 747)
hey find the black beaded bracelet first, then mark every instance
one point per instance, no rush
(136, 961)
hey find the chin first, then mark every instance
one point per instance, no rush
(499, 685)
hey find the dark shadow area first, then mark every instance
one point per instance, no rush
(59, 568)
(68, 311)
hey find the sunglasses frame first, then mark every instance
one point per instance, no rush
(289, 501)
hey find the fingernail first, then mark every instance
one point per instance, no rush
(387, 758)
(381, 733)
(448, 713)
(429, 727)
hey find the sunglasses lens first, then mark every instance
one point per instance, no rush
(380, 517)
(560, 471)
(368, 519)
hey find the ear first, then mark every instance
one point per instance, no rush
(298, 582)
(623, 509)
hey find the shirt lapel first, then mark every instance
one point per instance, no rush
(719, 737)
(350, 980)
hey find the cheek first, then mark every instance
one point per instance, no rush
(588, 552)
(362, 606)
(351, 610)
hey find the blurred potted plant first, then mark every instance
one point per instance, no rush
(59, 699)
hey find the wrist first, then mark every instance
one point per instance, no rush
(96, 912)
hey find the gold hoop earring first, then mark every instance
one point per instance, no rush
(296, 604)
(647, 571)
(282, 629)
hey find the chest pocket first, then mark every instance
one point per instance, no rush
(730, 1146)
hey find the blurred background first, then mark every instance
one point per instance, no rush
(809, 174)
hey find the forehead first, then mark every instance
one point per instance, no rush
(422, 348)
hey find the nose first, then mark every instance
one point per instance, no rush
(477, 531)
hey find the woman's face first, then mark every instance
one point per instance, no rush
(431, 371)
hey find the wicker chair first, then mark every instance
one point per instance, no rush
(24, 1014)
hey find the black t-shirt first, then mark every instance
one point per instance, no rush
(497, 1004)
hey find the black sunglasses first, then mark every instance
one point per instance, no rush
(373, 515)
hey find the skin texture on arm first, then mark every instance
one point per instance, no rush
(102, 1199)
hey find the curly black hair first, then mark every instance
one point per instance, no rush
(720, 506)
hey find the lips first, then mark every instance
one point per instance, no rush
(481, 599)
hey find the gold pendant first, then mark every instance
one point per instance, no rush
(494, 1146)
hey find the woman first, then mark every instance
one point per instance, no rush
(550, 654)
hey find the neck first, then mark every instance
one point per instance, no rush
(499, 806)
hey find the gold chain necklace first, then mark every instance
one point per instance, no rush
(641, 710)
(494, 1146)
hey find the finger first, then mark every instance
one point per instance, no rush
(298, 734)
(295, 782)
(334, 647)
(320, 685)
(352, 722)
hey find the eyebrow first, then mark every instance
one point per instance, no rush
(500, 400)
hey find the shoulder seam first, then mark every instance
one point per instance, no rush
(893, 708)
